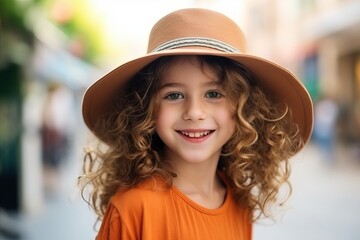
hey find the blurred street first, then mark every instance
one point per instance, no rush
(63, 213)
(52, 50)
(325, 205)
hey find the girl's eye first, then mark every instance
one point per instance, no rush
(174, 96)
(213, 94)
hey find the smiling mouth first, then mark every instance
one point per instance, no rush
(196, 134)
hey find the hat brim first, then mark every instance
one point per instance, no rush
(275, 81)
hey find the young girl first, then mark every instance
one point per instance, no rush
(198, 134)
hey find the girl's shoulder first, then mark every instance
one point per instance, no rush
(139, 211)
(150, 192)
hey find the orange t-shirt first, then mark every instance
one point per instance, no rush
(151, 211)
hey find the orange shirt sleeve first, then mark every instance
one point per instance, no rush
(135, 215)
(113, 227)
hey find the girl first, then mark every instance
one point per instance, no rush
(198, 134)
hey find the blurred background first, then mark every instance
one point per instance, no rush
(52, 50)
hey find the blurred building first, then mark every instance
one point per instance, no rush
(35, 54)
(15, 50)
(318, 40)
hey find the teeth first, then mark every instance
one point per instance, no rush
(195, 134)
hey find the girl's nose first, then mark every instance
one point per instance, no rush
(194, 110)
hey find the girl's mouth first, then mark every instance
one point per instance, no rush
(195, 135)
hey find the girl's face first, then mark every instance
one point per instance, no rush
(195, 117)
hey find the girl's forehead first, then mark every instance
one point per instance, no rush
(189, 69)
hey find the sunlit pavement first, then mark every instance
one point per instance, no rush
(61, 219)
(325, 205)
(65, 214)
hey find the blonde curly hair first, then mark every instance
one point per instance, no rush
(254, 160)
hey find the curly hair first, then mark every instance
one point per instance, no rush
(254, 160)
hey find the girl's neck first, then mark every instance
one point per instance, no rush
(200, 183)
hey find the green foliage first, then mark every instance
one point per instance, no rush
(81, 25)
(12, 12)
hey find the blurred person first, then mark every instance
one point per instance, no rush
(357, 129)
(198, 134)
(55, 133)
(325, 127)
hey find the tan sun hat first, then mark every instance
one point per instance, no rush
(202, 32)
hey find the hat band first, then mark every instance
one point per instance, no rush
(196, 41)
